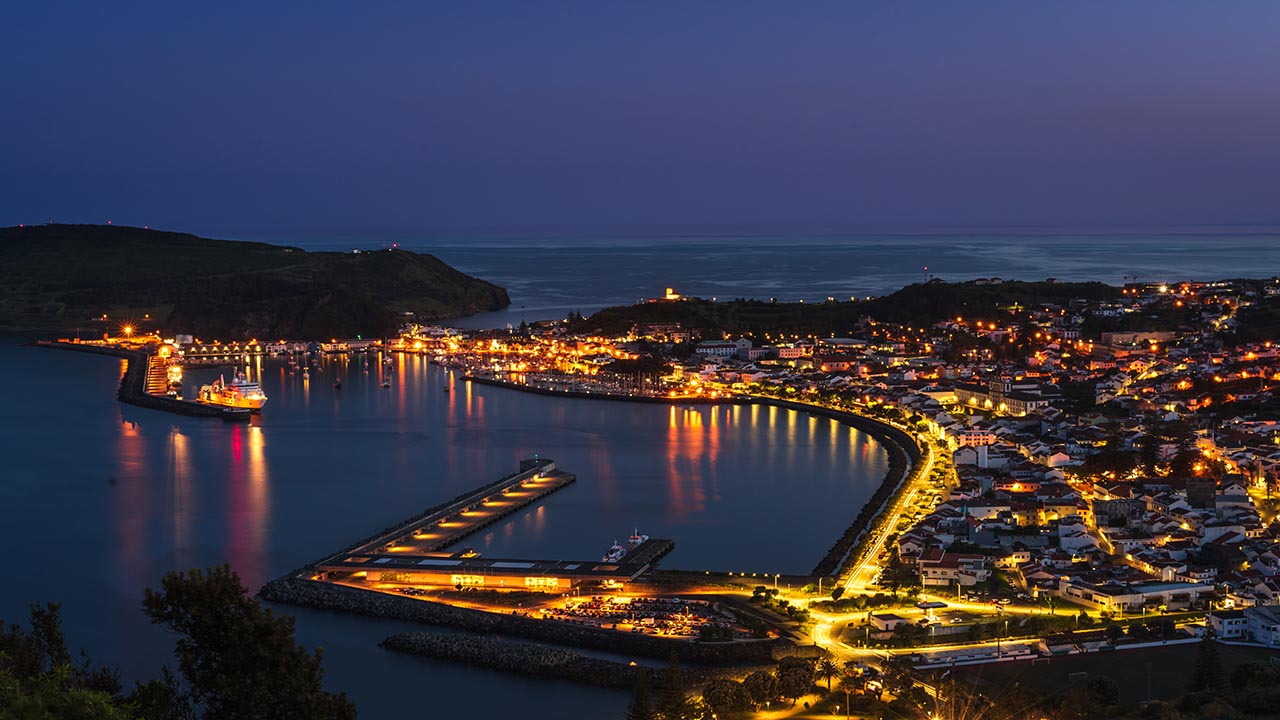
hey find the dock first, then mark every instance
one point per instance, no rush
(471, 513)
(416, 551)
(649, 551)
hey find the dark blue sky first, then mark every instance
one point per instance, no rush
(273, 117)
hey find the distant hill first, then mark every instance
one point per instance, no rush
(68, 276)
(919, 304)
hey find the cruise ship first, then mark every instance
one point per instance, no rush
(239, 393)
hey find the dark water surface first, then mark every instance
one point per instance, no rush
(101, 499)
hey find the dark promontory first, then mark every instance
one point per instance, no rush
(64, 277)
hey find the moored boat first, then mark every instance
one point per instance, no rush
(615, 553)
(239, 393)
(637, 539)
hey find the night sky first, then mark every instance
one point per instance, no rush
(276, 118)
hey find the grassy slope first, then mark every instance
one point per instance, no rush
(60, 276)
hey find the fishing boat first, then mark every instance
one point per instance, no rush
(637, 539)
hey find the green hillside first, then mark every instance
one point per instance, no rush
(919, 304)
(63, 277)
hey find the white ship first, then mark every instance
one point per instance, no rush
(239, 393)
(616, 553)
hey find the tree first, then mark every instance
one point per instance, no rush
(726, 696)
(673, 702)
(1208, 672)
(39, 680)
(896, 675)
(641, 705)
(795, 681)
(238, 658)
(761, 687)
(827, 670)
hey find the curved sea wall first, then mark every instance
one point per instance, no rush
(328, 596)
(904, 453)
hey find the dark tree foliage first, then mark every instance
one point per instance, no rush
(673, 701)
(239, 659)
(726, 696)
(641, 705)
(1208, 671)
(761, 686)
(38, 678)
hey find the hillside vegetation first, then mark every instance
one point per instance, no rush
(68, 276)
(919, 304)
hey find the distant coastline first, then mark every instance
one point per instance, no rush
(96, 278)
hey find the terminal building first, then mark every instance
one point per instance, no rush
(489, 573)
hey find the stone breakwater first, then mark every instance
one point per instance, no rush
(532, 660)
(327, 596)
(133, 383)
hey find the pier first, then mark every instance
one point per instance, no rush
(416, 551)
(471, 513)
(649, 551)
(145, 381)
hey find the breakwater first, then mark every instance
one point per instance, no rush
(293, 590)
(133, 384)
(530, 659)
(904, 453)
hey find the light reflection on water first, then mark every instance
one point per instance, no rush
(736, 487)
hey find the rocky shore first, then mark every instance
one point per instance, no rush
(293, 590)
(530, 659)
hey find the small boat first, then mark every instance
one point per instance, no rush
(387, 360)
(386, 383)
(236, 414)
(337, 384)
(446, 388)
(637, 539)
(306, 374)
(616, 553)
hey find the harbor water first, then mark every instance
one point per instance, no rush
(101, 499)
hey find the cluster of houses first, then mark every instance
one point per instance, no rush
(1026, 429)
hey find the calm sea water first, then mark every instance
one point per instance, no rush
(101, 499)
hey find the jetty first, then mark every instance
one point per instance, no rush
(536, 479)
(143, 373)
(419, 550)
(649, 551)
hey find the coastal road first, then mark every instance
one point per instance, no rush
(865, 570)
